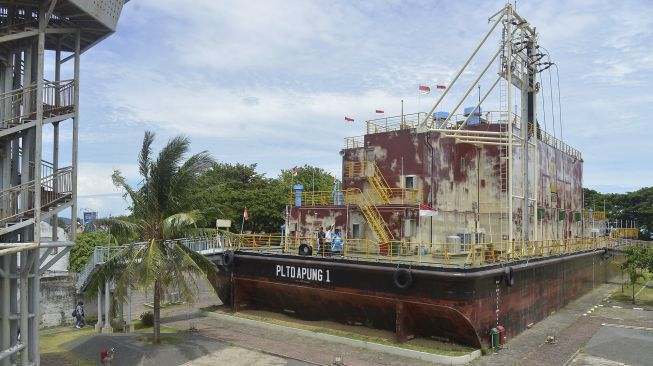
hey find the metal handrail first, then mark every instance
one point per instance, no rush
(205, 245)
(56, 95)
(435, 253)
(18, 200)
(413, 120)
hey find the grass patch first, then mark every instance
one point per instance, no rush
(53, 352)
(644, 298)
(139, 328)
(442, 349)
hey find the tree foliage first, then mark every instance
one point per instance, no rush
(162, 210)
(85, 243)
(225, 190)
(637, 258)
(632, 206)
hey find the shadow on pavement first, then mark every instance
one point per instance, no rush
(132, 351)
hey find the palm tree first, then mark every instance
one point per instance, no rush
(161, 212)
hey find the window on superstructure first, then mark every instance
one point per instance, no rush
(369, 155)
(355, 230)
(409, 182)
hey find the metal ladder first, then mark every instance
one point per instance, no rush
(504, 162)
(374, 218)
(379, 185)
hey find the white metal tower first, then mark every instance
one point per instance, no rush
(37, 185)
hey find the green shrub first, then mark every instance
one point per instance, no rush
(82, 250)
(147, 319)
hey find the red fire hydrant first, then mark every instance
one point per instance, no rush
(502, 334)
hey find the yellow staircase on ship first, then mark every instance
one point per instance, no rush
(367, 202)
(379, 185)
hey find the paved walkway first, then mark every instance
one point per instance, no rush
(529, 348)
(188, 349)
(290, 345)
(572, 329)
(237, 342)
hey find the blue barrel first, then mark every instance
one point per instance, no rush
(440, 115)
(298, 188)
(475, 118)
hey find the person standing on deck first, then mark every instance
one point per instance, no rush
(320, 240)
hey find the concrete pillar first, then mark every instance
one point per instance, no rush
(34, 308)
(73, 209)
(24, 307)
(98, 325)
(107, 302)
(4, 306)
(130, 325)
(13, 300)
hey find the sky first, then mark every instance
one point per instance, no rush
(269, 82)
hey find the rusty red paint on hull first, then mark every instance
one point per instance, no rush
(457, 304)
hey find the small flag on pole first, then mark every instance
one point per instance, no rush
(380, 111)
(440, 87)
(245, 214)
(347, 119)
(424, 89)
(293, 171)
(426, 210)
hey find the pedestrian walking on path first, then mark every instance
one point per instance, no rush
(78, 313)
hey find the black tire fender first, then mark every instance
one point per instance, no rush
(509, 276)
(305, 249)
(403, 278)
(228, 259)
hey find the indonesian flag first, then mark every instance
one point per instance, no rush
(424, 89)
(380, 111)
(440, 87)
(293, 171)
(426, 210)
(245, 214)
(347, 119)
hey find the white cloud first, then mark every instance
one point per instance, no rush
(95, 178)
(269, 82)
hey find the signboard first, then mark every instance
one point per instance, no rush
(220, 223)
(89, 217)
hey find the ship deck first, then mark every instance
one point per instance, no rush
(446, 255)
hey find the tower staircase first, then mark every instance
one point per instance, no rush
(18, 105)
(367, 202)
(17, 206)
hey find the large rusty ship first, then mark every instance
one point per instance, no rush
(445, 224)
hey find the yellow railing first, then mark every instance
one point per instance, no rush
(596, 215)
(383, 193)
(448, 254)
(354, 142)
(380, 186)
(374, 219)
(413, 120)
(323, 198)
(395, 123)
(625, 233)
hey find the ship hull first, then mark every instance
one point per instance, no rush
(460, 305)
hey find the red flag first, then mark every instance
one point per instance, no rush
(426, 210)
(293, 171)
(347, 119)
(245, 214)
(440, 87)
(380, 111)
(424, 89)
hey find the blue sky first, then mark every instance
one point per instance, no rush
(269, 82)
